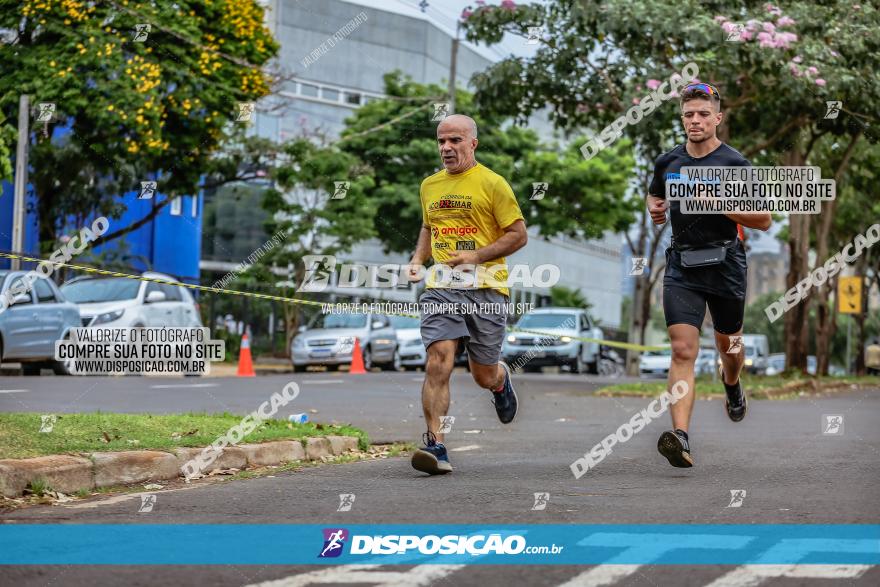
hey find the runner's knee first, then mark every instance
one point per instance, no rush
(439, 362)
(485, 376)
(684, 351)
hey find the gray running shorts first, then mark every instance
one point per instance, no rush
(475, 317)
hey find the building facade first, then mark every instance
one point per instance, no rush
(334, 77)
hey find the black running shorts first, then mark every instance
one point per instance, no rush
(688, 306)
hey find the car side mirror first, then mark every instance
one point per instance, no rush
(377, 324)
(155, 296)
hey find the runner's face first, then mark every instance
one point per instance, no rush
(700, 119)
(456, 146)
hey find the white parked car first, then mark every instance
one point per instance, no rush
(706, 358)
(122, 302)
(409, 341)
(655, 362)
(775, 364)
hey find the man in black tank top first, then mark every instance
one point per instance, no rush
(713, 272)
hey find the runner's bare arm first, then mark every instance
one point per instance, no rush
(421, 254)
(514, 238)
(760, 221)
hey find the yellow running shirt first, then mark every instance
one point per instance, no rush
(465, 212)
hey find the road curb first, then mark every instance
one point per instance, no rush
(69, 474)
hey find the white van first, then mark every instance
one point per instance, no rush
(757, 349)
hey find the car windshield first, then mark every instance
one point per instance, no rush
(344, 321)
(535, 321)
(88, 291)
(402, 322)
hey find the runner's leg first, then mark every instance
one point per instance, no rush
(486, 334)
(727, 318)
(731, 363)
(685, 341)
(435, 389)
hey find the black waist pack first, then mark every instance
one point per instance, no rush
(704, 256)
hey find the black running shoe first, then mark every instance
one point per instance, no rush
(736, 404)
(505, 400)
(431, 458)
(674, 446)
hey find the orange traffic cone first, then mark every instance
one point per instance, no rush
(245, 365)
(357, 359)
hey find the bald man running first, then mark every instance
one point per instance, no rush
(470, 222)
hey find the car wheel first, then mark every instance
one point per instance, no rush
(332, 367)
(299, 368)
(368, 359)
(394, 365)
(577, 364)
(64, 367)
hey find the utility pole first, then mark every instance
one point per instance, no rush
(452, 63)
(21, 169)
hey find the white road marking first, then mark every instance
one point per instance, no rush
(14, 390)
(752, 575)
(465, 448)
(343, 574)
(601, 576)
(184, 385)
(321, 381)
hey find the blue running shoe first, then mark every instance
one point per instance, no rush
(431, 458)
(505, 400)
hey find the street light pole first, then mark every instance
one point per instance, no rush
(21, 169)
(452, 63)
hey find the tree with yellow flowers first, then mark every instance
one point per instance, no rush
(140, 88)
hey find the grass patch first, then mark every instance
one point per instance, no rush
(20, 435)
(778, 386)
(38, 486)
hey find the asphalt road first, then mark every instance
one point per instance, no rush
(791, 472)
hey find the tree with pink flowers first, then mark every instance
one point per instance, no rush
(775, 65)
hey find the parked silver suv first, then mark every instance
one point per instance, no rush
(562, 348)
(332, 344)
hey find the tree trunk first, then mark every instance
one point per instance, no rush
(861, 269)
(636, 326)
(795, 331)
(824, 309)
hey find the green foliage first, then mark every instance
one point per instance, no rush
(756, 322)
(584, 198)
(162, 105)
(597, 57)
(565, 297)
(100, 431)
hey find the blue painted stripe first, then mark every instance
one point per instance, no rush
(245, 544)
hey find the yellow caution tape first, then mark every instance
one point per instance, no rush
(610, 343)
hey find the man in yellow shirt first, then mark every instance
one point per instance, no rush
(470, 222)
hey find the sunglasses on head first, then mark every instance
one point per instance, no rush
(705, 88)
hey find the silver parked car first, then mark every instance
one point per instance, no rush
(33, 322)
(332, 344)
(409, 341)
(562, 347)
